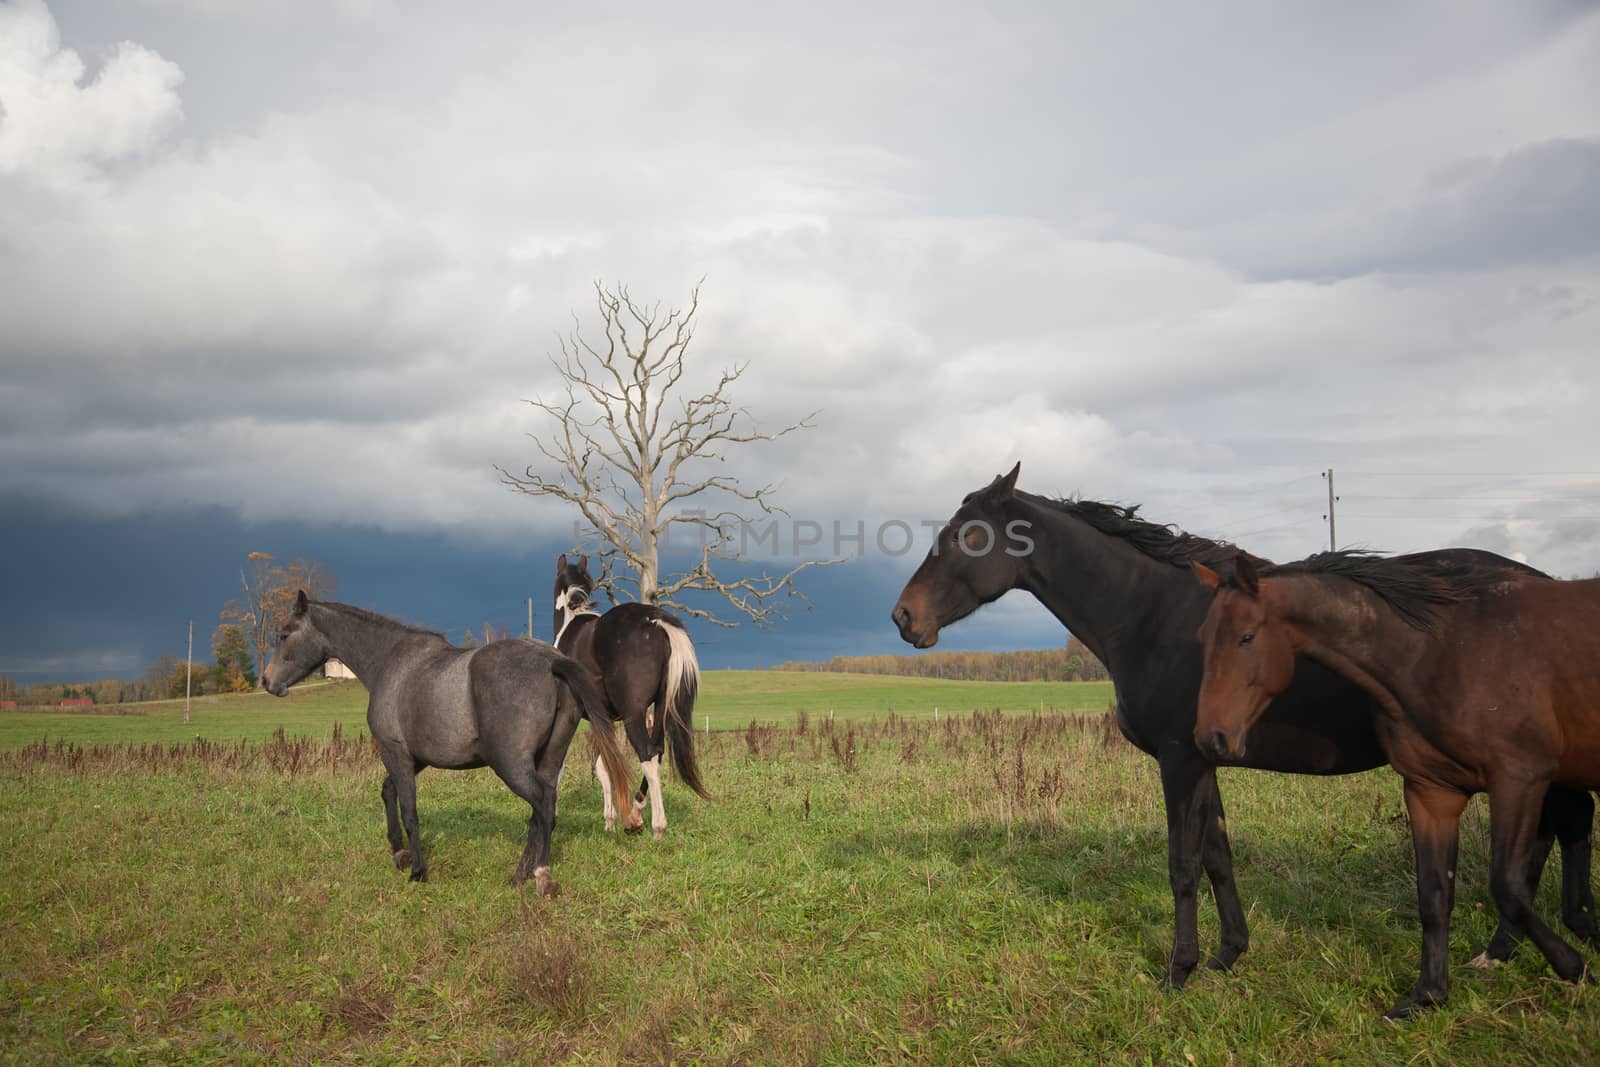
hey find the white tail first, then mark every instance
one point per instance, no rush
(683, 668)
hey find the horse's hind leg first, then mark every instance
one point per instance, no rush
(1573, 825)
(1513, 825)
(1568, 817)
(646, 732)
(608, 806)
(391, 814)
(535, 860)
(1218, 860)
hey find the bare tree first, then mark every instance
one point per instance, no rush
(633, 452)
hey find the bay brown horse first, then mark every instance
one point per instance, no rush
(1483, 683)
(510, 705)
(644, 664)
(1122, 585)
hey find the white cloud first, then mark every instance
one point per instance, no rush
(332, 312)
(56, 128)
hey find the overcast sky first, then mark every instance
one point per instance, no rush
(279, 276)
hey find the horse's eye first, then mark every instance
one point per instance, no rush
(1245, 639)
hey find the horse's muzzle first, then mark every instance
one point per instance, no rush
(901, 615)
(1217, 745)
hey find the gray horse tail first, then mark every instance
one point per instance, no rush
(602, 734)
(678, 689)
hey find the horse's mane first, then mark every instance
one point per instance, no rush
(1416, 585)
(374, 617)
(1160, 541)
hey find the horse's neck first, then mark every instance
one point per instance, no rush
(364, 645)
(569, 628)
(1105, 591)
(1348, 628)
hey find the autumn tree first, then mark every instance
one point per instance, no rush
(267, 594)
(199, 680)
(234, 672)
(640, 453)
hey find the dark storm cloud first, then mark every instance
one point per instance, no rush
(301, 263)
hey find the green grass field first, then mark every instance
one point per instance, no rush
(973, 890)
(730, 698)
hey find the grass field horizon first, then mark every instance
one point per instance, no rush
(731, 699)
(872, 889)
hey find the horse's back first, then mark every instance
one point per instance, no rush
(433, 706)
(1533, 654)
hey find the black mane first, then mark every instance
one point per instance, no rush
(1415, 586)
(374, 617)
(1160, 541)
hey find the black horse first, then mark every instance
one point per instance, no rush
(1123, 586)
(512, 705)
(645, 665)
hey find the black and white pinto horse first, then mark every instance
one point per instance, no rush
(644, 663)
(511, 705)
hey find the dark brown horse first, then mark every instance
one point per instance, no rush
(644, 664)
(1483, 682)
(1121, 584)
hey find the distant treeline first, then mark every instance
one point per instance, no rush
(163, 680)
(1074, 663)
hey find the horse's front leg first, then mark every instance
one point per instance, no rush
(1218, 857)
(1187, 782)
(403, 770)
(1435, 831)
(391, 815)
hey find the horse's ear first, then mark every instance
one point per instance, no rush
(583, 565)
(1244, 572)
(1208, 577)
(561, 564)
(300, 602)
(1005, 484)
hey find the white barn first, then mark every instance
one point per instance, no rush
(334, 669)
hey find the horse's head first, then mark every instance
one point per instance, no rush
(574, 588)
(301, 649)
(1249, 659)
(976, 558)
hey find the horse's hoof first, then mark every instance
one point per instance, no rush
(419, 876)
(550, 890)
(1224, 960)
(659, 834)
(402, 859)
(1409, 1007)
(1483, 961)
(611, 826)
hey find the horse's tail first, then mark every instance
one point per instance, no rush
(602, 734)
(678, 689)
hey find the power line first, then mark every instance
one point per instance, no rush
(1486, 499)
(1476, 474)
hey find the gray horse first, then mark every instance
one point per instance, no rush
(511, 705)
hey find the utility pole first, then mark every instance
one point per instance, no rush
(530, 617)
(1333, 541)
(188, 674)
